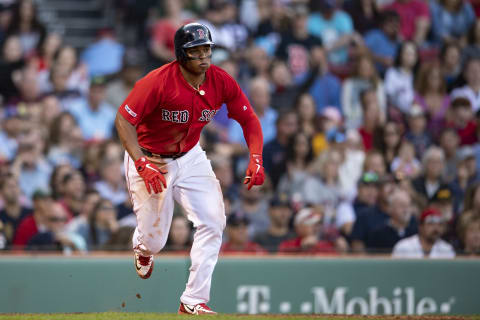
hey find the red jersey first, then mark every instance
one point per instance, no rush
(169, 113)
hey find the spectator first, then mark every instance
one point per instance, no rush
(26, 102)
(330, 126)
(73, 186)
(74, 73)
(179, 238)
(417, 133)
(414, 19)
(299, 156)
(449, 142)
(451, 20)
(305, 108)
(284, 90)
(104, 56)
(471, 72)
(254, 206)
(399, 78)
(472, 50)
(459, 186)
(431, 96)
(461, 118)
(79, 224)
(260, 99)
(388, 139)
(383, 42)
(324, 87)
(366, 198)
(406, 165)
(118, 89)
(102, 224)
(163, 31)
(274, 152)
(13, 211)
(443, 202)
(30, 225)
(351, 168)
(374, 162)
(296, 46)
(427, 242)
(280, 214)
(238, 238)
(335, 28)
(95, 116)
(25, 23)
(371, 218)
(66, 141)
(364, 14)
(30, 165)
(401, 224)
(44, 57)
(111, 186)
(472, 200)
(431, 179)
(307, 224)
(364, 77)
(11, 127)
(372, 118)
(11, 61)
(450, 58)
(223, 169)
(469, 232)
(54, 236)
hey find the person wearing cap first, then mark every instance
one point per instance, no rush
(280, 214)
(307, 225)
(400, 224)
(366, 198)
(94, 115)
(443, 201)
(237, 234)
(427, 243)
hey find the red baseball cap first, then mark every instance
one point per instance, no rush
(431, 215)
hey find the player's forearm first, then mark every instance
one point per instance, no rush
(252, 131)
(128, 137)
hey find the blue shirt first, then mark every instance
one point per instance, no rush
(235, 131)
(95, 124)
(446, 23)
(104, 57)
(330, 31)
(325, 91)
(381, 45)
(37, 178)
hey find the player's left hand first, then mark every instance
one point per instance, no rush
(255, 172)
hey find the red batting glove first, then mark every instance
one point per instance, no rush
(151, 175)
(255, 172)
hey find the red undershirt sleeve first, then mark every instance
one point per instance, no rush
(240, 110)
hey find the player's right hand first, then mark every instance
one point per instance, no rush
(152, 175)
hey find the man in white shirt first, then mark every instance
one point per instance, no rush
(427, 242)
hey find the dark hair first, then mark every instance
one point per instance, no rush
(283, 114)
(387, 16)
(398, 56)
(364, 92)
(92, 220)
(36, 25)
(423, 77)
(55, 127)
(469, 196)
(460, 102)
(290, 152)
(471, 33)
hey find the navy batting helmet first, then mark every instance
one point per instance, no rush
(189, 36)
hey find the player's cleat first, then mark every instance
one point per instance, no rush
(143, 265)
(196, 309)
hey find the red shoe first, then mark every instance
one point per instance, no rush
(196, 309)
(143, 265)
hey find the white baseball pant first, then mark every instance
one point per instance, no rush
(192, 183)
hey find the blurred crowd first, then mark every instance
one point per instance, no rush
(370, 112)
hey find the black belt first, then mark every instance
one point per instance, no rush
(163, 156)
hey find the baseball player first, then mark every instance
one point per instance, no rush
(159, 125)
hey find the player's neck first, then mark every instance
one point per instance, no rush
(193, 79)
